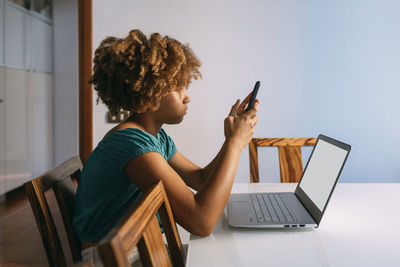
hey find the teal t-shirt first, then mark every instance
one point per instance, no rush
(104, 191)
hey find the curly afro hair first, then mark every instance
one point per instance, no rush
(134, 73)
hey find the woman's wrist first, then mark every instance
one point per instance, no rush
(234, 144)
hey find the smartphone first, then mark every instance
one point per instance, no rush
(253, 96)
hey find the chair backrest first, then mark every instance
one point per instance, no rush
(140, 227)
(59, 180)
(290, 160)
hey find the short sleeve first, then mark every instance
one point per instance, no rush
(168, 144)
(104, 191)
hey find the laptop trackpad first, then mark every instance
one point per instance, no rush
(241, 212)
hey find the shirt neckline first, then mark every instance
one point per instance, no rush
(135, 129)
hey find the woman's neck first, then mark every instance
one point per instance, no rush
(145, 122)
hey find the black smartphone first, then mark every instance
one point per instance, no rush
(253, 96)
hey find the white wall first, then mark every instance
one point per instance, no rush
(326, 67)
(66, 66)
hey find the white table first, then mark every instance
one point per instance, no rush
(361, 227)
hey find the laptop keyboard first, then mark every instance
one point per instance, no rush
(271, 208)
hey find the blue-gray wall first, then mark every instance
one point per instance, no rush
(330, 67)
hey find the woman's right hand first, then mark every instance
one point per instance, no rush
(239, 125)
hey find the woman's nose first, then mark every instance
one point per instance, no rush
(186, 100)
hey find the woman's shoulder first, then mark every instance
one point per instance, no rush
(126, 136)
(164, 138)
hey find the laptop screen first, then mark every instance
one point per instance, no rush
(321, 173)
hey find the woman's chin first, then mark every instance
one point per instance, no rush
(175, 120)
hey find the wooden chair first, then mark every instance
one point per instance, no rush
(59, 180)
(141, 228)
(290, 160)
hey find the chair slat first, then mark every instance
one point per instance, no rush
(65, 195)
(140, 227)
(254, 174)
(45, 223)
(171, 232)
(66, 170)
(58, 180)
(116, 255)
(151, 247)
(290, 163)
(130, 231)
(290, 159)
(285, 141)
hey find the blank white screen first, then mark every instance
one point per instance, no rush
(322, 171)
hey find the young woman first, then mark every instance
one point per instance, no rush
(149, 77)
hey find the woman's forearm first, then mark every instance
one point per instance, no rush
(207, 170)
(212, 198)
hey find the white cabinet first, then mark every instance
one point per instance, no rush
(2, 130)
(17, 147)
(16, 36)
(26, 132)
(40, 99)
(26, 86)
(41, 59)
(27, 41)
(1, 33)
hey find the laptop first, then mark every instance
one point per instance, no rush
(304, 207)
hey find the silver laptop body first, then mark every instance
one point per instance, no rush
(304, 207)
